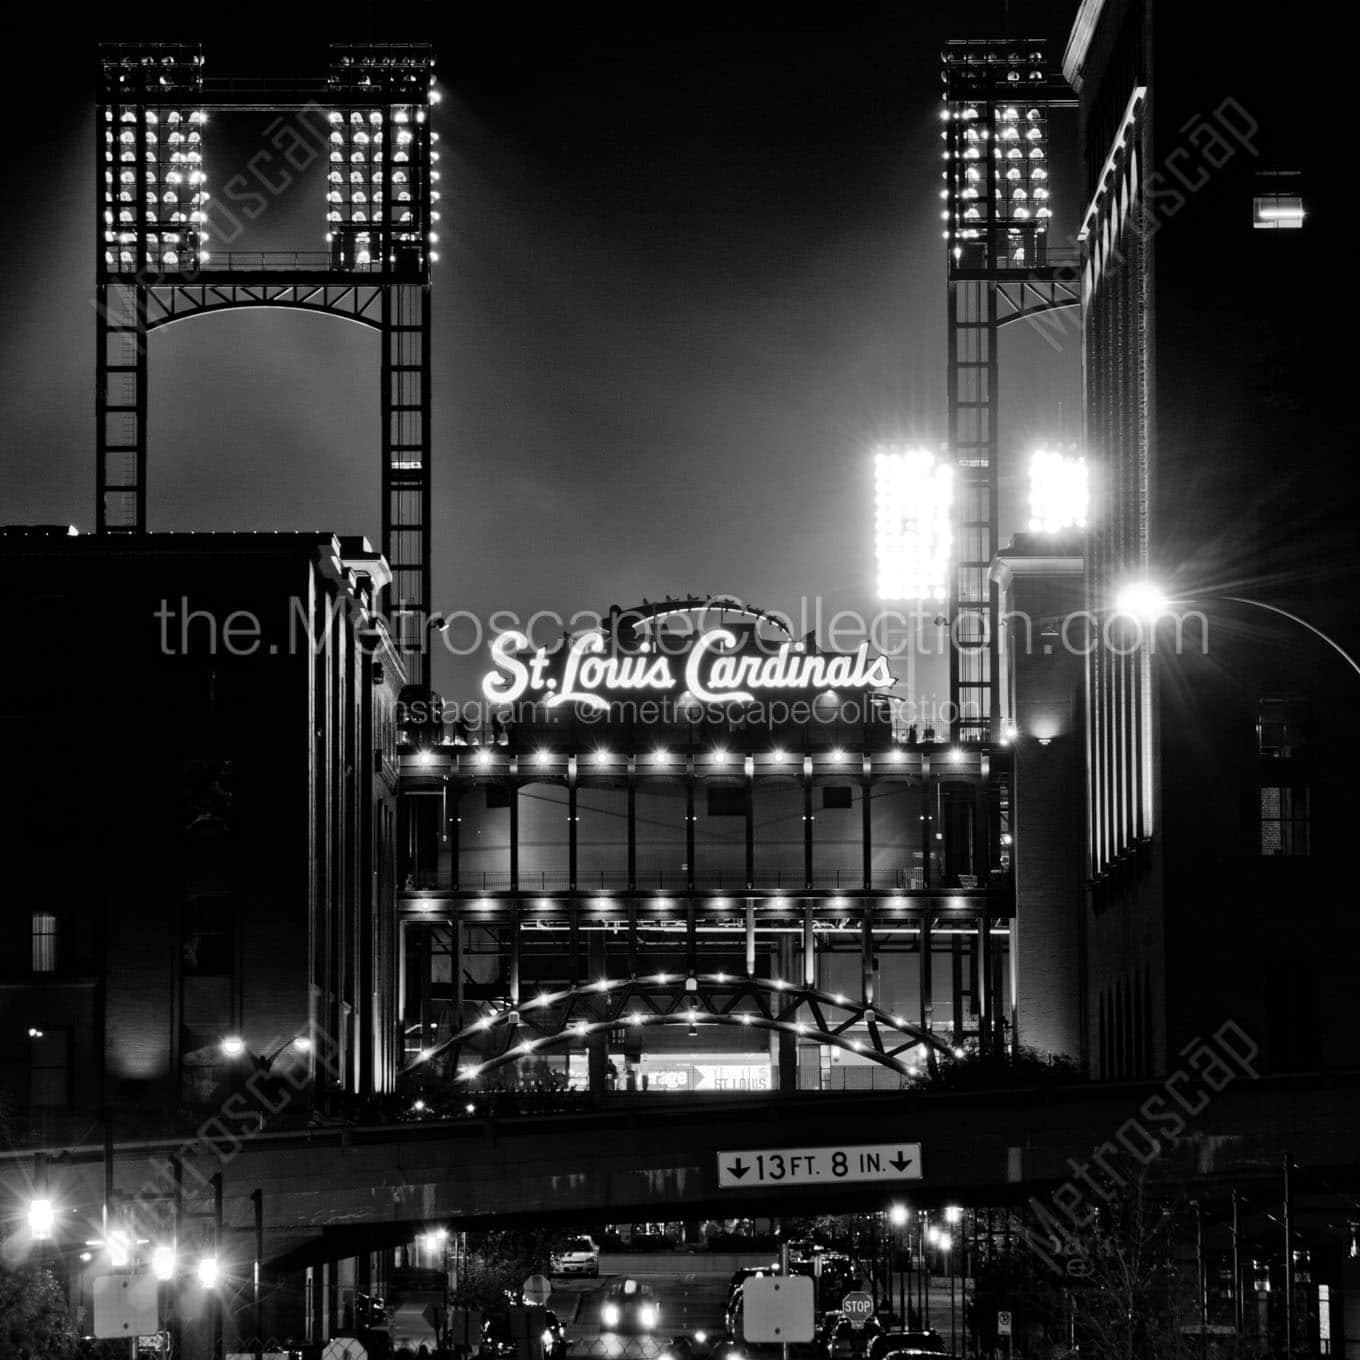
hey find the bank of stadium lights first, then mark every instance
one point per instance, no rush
(913, 537)
(1059, 491)
(154, 164)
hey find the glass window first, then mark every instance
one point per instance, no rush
(1277, 204)
(44, 942)
(1281, 728)
(726, 800)
(1284, 821)
(49, 1085)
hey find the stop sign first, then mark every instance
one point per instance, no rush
(858, 1307)
(537, 1289)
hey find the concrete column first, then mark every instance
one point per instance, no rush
(807, 821)
(788, 1043)
(866, 808)
(632, 825)
(986, 1000)
(598, 1043)
(571, 823)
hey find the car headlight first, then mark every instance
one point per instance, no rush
(701, 1337)
(609, 1315)
(647, 1315)
(547, 1340)
(733, 1355)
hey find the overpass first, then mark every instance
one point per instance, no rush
(329, 1192)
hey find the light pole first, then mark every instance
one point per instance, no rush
(953, 1215)
(898, 1215)
(927, 1239)
(946, 1242)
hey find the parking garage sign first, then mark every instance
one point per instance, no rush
(819, 1165)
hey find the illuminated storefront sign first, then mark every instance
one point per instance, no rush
(713, 667)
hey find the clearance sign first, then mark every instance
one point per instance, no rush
(714, 667)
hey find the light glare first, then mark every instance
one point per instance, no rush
(1059, 492)
(914, 495)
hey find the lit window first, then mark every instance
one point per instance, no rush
(44, 942)
(1284, 821)
(1277, 204)
(1281, 728)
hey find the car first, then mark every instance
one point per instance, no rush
(840, 1339)
(913, 1354)
(576, 1256)
(694, 1346)
(908, 1343)
(498, 1343)
(630, 1306)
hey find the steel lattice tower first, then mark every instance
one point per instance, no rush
(998, 94)
(370, 118)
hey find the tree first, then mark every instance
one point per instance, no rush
(35, 1321)
(498, 1264)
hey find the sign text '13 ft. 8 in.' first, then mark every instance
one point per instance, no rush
(819, 1165)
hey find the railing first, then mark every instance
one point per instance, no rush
(270, 261)
(678, 881)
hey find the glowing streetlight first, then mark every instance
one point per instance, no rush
(41, 1219)
(898, 1215)
(1142, 600)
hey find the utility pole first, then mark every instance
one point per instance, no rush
(216, 1183)
(1201, 1282)
(1238, 1318)
(257, 1199)
(1288, 1265)
(176, 1328)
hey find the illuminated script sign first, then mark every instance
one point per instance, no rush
(713, 667)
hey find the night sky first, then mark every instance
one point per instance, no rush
(691, 273)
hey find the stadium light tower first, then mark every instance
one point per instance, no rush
(1059, 491)
(999, 94)
(368, 120)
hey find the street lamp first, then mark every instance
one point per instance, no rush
(41, 1219)
(233, 1046)
(1146, 602)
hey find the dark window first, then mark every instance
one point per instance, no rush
(49, 1081)
(1291, 1018)
(44, 942)
(207, 947)
(837, 796)
(1281, 728)
(726, 800)
(1284, 821)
